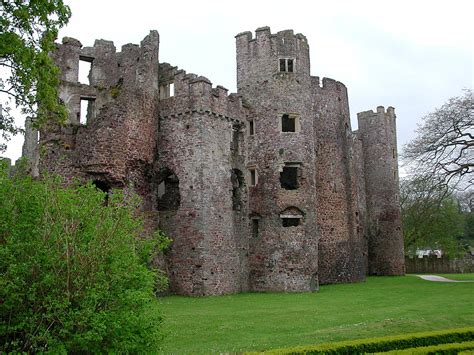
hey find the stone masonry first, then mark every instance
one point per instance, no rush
(267, 189)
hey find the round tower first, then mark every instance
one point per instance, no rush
(379, 144)
(274, 80)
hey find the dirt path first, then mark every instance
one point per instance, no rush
(438, 278)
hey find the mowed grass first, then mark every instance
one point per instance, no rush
(257, 321)
(460, 277)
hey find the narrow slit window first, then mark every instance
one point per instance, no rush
(255, 228)
(86, 111)
(283, 65)
(253, 176)
(251, 127)
(85, 68)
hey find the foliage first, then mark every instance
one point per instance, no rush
(385, 344)
(28, 75)
(443, 150)
(431, 217)
(73, 272)
(380, 306)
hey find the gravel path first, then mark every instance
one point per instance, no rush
(438, 278)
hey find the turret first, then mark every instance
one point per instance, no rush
(273, 79)
(379, 144)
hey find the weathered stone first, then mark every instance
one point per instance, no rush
(264, 190)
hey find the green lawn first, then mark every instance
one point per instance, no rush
(461, 277)
(380, 306)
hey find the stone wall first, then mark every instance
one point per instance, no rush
(377, 130)
(198, 142)
(342, 249)
(282, 258)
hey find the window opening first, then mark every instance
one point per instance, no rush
(253, 176)
(286, 65)
(289, 177)
(169, 197)
(166, 91)
(251, 128)
(290, 222)
(85, 68)
(104, 187)
(86, 110)
(291, 217)
(288, 123)
(255, 225)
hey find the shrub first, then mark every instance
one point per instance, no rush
(73, 276)
(383, 344)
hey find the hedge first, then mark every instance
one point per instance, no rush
(453, 348)
(382, 344)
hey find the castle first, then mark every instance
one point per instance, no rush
(267, 189)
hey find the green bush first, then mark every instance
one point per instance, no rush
(383, 344)
(73, 274)
(453, 348)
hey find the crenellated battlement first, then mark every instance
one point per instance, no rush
(193, 93)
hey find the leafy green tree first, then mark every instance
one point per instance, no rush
(28, 75)
(73, 271)
(431, 217)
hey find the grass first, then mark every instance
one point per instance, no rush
(252, 321)
(460, 277)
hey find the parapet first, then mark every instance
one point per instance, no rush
(194, 93)
(380, 111)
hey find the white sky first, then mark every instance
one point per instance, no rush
(410, 54)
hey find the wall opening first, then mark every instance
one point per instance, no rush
(253, 178)
(86, 111)
(291, 217)
(290, 176)
(290, 222)
(251, 127)
(290, 122)
(166, 91)
(237, 180)
(255, 225)
(169, 196)
(104, 187)
(85, 68)
(286, 65)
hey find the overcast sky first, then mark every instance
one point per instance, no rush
(412, 55)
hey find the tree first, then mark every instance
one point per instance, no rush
(443, 150)
(28, 77)
(73, 271)
(431, 217)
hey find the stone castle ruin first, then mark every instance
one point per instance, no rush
(267, 189)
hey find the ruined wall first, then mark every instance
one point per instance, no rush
(198, 142)
(377, 130)
(117, 143)
(264, 190)
(341, 247)
(282, 257)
